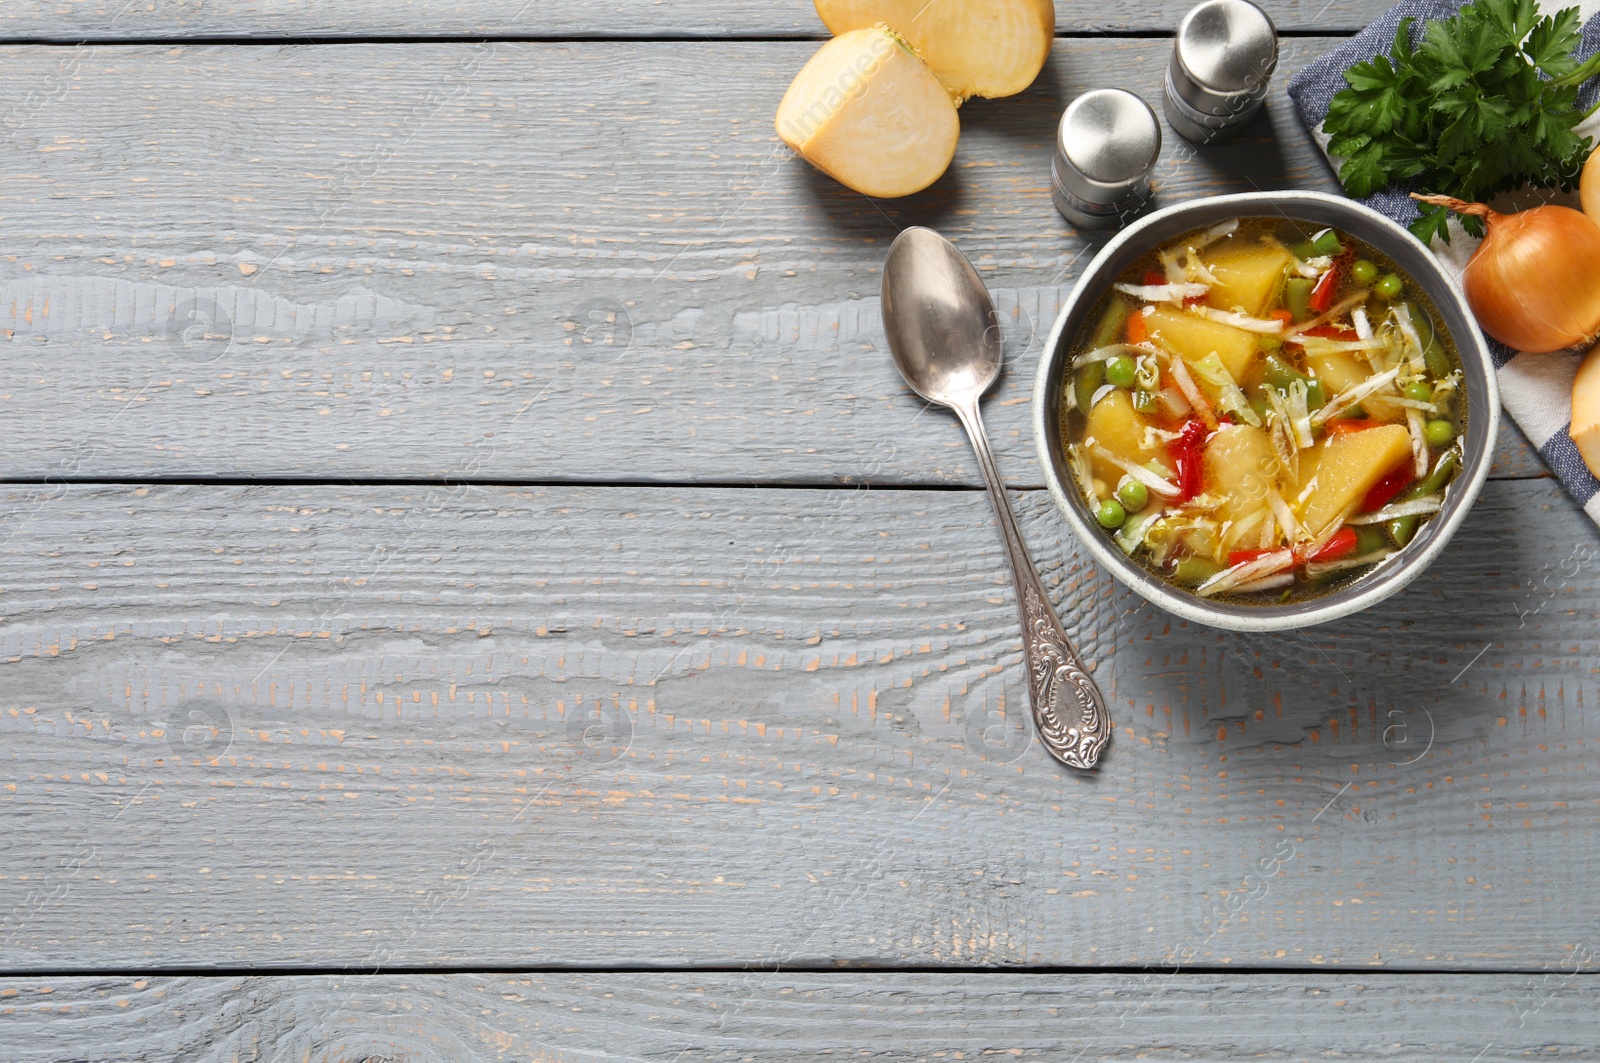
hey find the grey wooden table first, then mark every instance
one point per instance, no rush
(472, 587)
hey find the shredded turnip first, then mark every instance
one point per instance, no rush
(1312, 268)
(1217, 232)
(1284, 515)
(1172, 267)
(1140, 473)
(1358, 318)
(1155, 438)
(1419, 442)
(1197, 400)
(1163, 293)
(1172, 398)
(1105, 354)
(1131, 534)
(1269, 326)
(1352, 395)
(1229, 395)
(1323, 568)
(1147, 371)
(1402, 318)
(1334, 314)
(1234, 531)
(1246, 572)
(1416, 508)
(1099, 393)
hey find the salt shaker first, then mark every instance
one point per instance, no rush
(1106, 146)
(1221, 69)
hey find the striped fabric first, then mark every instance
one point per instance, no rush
(1535, 389)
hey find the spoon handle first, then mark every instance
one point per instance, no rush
(1068, 711)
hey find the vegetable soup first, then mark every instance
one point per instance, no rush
(1263, 412)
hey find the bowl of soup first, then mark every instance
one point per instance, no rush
(1265, 411)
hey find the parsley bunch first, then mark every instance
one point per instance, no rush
(1486, 103)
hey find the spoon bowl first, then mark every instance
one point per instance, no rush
(941, 324)
(945, 338)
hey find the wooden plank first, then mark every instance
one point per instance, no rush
(761, 1015)
(61, 20)
(379, 727)
(512, 262)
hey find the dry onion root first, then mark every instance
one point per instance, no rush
(1534, 282)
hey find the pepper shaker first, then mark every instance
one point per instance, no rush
(1106, 146)
(1222, 65)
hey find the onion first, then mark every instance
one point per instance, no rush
(1589, 186)
(1532, 282)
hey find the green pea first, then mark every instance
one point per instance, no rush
(1087, 381)
(1364, 271)
(1327, 243)
(1110, 514)
(1419, 391)
(1368, 539)
(1390, 286)
(1438, 433)
(1146, 402)
(1193, 571)
(1120, 371)
(1271, 344)
(1133, 495)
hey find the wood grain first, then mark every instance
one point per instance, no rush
(377, 727)
(760, 1015)
(72, 20)
(513, 262)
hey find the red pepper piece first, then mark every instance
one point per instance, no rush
(1384, 491)
(1344, 542)
(1331, 332)
(1322, 295)
(1154, 277)
(1342, 426)
(1185, 453)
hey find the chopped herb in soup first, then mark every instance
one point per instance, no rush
(1263, 412)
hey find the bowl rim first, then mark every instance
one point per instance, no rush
(1440, 287)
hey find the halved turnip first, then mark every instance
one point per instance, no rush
(983, 48)
(868, 113)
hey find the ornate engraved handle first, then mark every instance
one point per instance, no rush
(1068, 711)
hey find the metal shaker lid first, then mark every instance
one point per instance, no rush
(1226, 50)
(1106, 145)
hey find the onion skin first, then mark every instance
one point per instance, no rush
(1534, 282)
(1589, 187)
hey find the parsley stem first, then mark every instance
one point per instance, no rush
(1588, 70)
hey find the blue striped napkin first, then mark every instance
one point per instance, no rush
(1536, 390)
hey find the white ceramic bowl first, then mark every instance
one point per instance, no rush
(1319, 209)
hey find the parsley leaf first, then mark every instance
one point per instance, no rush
(1483, 103)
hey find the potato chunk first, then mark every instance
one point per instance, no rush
(1195, 337)
(1250, 275)
(1240, 466)
(975, 47)
(1117, 426)
(1346, 469)
(868, 113)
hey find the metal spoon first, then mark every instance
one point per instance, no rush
(945, 338)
